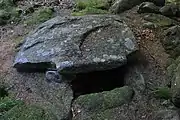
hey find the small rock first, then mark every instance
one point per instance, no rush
(159, 20)
(148, 7)
(90, 105)
(171, 42)
(120, 6)
(171, 10)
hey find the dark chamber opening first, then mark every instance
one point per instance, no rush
(98, 81)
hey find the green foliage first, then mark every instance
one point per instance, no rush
(99, 4)
(39, 16)
(8, 12)
(89, 10)
(163, 93)
(7, 104)
(91, 7)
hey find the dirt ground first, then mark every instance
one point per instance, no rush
(149, 41)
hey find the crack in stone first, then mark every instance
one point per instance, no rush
(84, 36)
(36, 43)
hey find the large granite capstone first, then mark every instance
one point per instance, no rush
(77, 44)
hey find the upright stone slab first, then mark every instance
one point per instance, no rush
(77, 44)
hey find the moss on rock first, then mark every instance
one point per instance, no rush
(173, 71)
(101, 106)
(98, 102)
(39, 16)
(159, 20)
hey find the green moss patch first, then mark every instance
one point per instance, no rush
(84, 7)
(105, 100)
(39, 16)
(28, 112)
(163, 93)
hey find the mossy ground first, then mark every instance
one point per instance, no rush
(28, 112)
(12, 109)
(39, 16)
(84, 7)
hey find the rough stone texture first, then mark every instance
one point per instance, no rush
(77, 44)
(120, 6)
(170, 10)
(166, 115)
(148, 7)
(159, 20)
(98, 105)
(174, 77)
(171, 42)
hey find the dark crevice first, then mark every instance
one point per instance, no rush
(98, 81)
(35, 67)
(38, 42)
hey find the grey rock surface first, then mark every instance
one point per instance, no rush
(135, 78)
(77, 44)
(170, 10)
